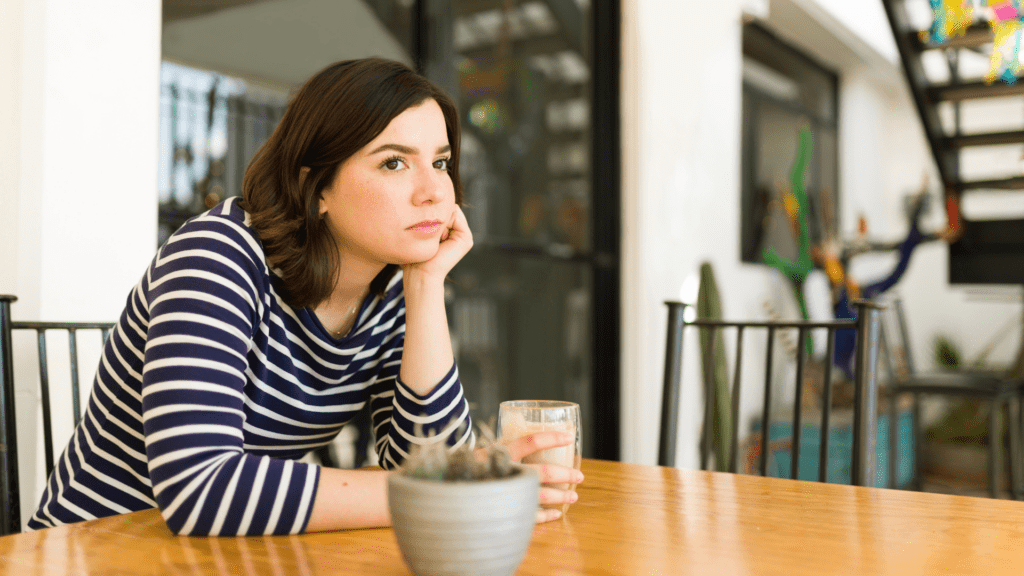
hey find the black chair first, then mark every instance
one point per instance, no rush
(865, 388)
(10, 503)
(996, 389)
(362, 444)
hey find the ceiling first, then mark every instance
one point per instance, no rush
(181, 9)
(279, 43)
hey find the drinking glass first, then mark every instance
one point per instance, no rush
(518, 418)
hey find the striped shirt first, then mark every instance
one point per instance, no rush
(211, 386)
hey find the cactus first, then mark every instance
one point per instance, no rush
(437, 461)
(709, 306)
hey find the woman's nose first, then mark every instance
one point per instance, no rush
(431, 187)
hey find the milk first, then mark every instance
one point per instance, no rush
(514, 425)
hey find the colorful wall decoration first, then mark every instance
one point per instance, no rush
(832, 255)
(953, 17)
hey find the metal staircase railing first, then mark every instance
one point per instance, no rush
(988, 251)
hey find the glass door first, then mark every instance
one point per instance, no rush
(534, 306)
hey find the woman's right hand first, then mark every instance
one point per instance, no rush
(455, 242)
(549, 473)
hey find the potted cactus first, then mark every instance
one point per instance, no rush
(463, 511)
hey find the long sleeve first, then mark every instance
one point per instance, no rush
(205, 298)
(402, 418)
(211, 386)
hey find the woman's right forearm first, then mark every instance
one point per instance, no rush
(350, 499)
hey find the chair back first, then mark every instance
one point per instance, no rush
(867, 330)
(895, 342)
(10, 507)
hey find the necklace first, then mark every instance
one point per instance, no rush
(345, 319)
(348, 315)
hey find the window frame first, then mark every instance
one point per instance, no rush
(754, 97)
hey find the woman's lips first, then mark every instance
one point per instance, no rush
(426, 227)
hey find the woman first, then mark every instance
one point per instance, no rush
(264, 325)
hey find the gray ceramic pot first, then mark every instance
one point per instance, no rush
(464, 528)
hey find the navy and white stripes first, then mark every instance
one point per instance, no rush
(211, 386)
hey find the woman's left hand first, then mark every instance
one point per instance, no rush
(456, 240)
(553, 478)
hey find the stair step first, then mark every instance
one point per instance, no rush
(985, 139)
(973, 90)
(1014, 183)
(976, 36)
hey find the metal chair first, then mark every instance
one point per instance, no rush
(865, 388)
(996, 389)
(10, 503)
(362, 444)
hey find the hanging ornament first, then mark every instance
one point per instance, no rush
(1005, 22)
(953, 17)
(949, 18)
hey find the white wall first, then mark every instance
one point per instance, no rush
(77, 171)
(81, 151)
(866, 20)
(681, 128)
(11, 50)
(681, 125)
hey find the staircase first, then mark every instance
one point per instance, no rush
(974, 155)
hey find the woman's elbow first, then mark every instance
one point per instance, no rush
(183, 520)
(177, 525)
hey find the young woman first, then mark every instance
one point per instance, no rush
(264, 325)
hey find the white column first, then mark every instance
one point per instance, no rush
(681, 98)
(12, 39)
(78, 151)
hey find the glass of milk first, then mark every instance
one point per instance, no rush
(517, 418)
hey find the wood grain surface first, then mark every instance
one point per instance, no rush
(630, 519)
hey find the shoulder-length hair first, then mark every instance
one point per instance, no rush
(336, 113)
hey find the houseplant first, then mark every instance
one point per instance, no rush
(463, 511)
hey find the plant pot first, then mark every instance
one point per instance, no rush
(479, 528)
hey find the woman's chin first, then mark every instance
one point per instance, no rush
(416, 257)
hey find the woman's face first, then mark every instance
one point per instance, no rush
(391, 200)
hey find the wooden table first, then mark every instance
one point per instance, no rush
(630, 519)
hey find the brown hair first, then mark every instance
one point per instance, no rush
(335, 114)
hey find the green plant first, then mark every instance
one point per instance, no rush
(947, 353)
(709, 306)
(965, 421)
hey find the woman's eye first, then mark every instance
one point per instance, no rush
(442, 164)
(393, 163)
